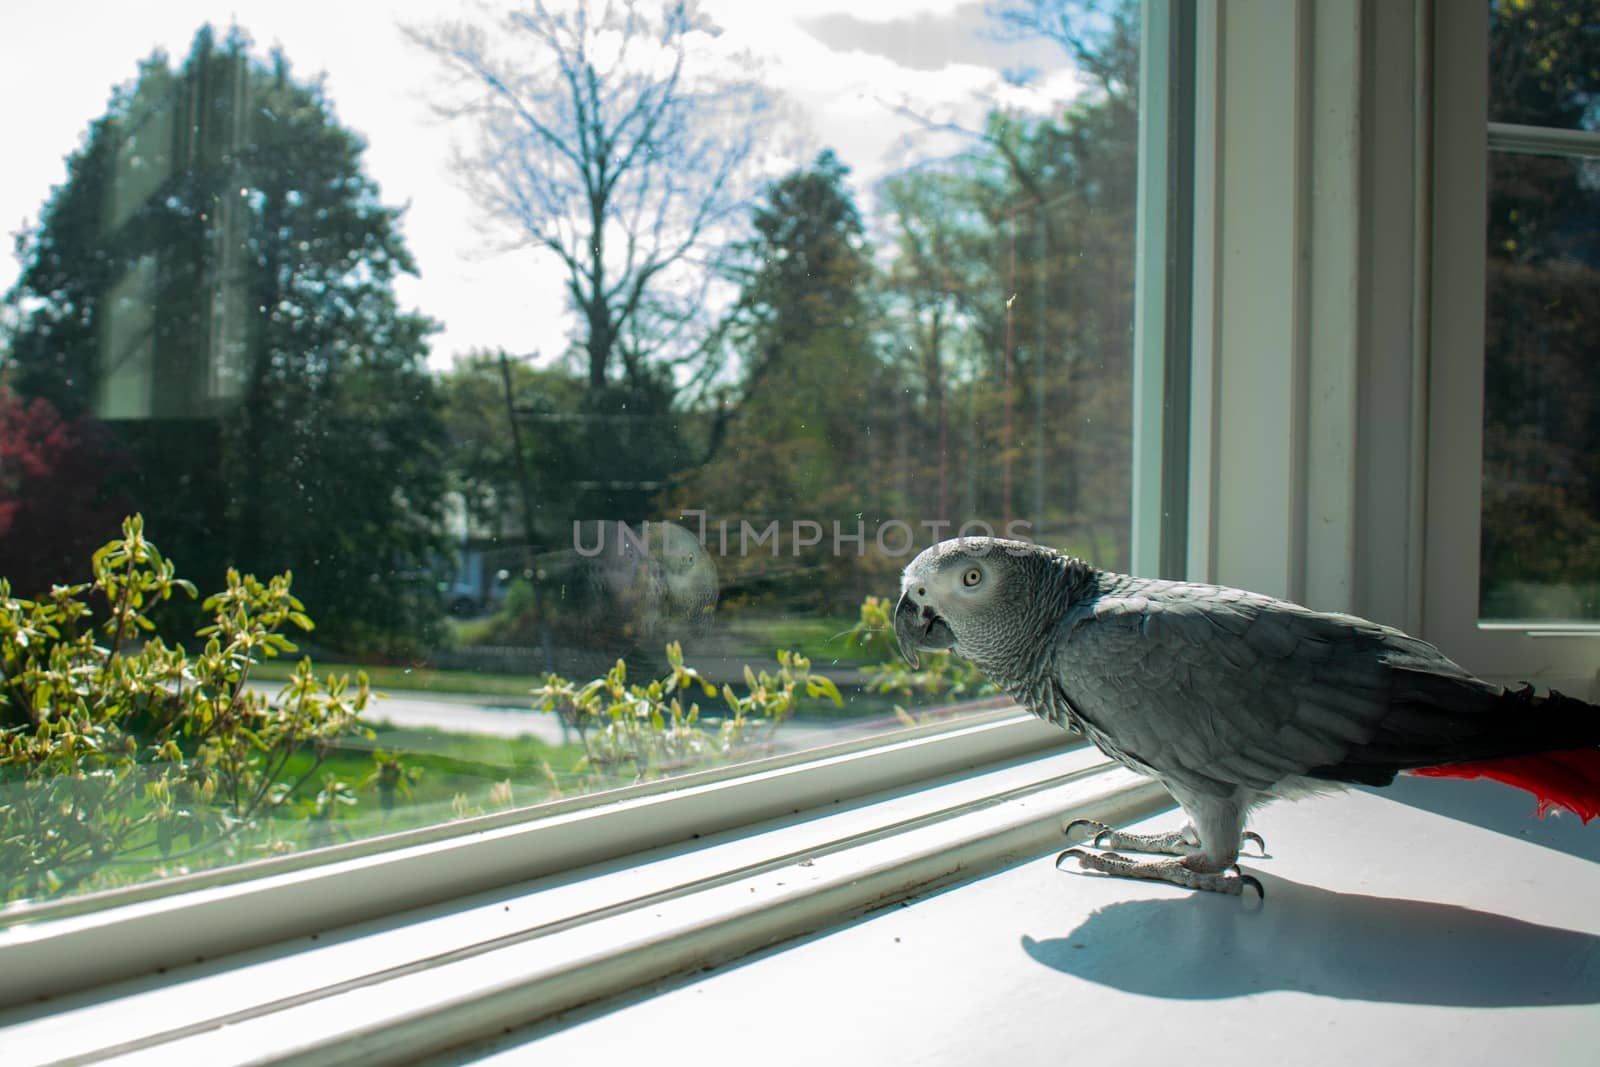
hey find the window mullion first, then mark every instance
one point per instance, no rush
(1544, 140)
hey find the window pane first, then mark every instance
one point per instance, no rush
(681, 345)
(1544, 63)
(1541, 498)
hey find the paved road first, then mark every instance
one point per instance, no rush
(501, 718)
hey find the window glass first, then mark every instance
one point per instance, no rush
(1541, 496)
(1544, 63)
(504, 345)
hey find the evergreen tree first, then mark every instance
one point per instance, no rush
(803, 333)
(799, 444)
(215, 280)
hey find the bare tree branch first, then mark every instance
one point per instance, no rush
(614, 137)
(1101, 36)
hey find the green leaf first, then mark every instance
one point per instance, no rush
(821, 685)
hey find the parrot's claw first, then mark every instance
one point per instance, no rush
(1099, 829)
(1173, 871)
(1251, 835)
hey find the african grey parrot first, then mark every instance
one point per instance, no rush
(1229, 698)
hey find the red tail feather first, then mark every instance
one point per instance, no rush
(1569, 779)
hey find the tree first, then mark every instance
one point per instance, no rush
(609, 137)
(1069, 232)
(58, 495)
(1544, 64)
(798, 441)
(484, 466)
(1100, 36)
(215, 279)
(937, 285)
(584, 453)
(809, 280)
(1047, 414)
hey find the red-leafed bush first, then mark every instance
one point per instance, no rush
(59, 493)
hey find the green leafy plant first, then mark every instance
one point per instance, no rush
(938, 675)
(633, 732)
(118, 750)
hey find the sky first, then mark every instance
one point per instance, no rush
(842, 67)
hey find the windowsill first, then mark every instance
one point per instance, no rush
(1393, 919)
(458, 971)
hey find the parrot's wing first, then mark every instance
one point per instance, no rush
(1216, 689)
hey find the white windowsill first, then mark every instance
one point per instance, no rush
(1392, 920)
(461, 970)
(1433, 922)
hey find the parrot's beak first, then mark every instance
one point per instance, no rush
(919, 629)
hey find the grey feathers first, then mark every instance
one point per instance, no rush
(1216, 691)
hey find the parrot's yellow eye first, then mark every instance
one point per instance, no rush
(972, 577)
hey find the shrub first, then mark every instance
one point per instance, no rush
(941, 673)
(119, 751)
(633, 732)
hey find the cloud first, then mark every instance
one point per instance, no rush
(931, 40)
(853, 70)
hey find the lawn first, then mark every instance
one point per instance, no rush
(739, 639)
(720, 655)
(448, 774)
(419, 679)
(825, 641)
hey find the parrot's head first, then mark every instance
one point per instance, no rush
(978, 596)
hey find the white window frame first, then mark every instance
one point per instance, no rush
(1306, 450)
(1563, 657)
(1336, 422)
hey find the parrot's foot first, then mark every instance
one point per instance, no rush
(1177, 843)
(1174, 871)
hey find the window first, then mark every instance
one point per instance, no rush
(1541, 509)
(682, 343)
(1339, 154)
(1514, 519)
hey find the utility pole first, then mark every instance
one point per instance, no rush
(530, 569)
